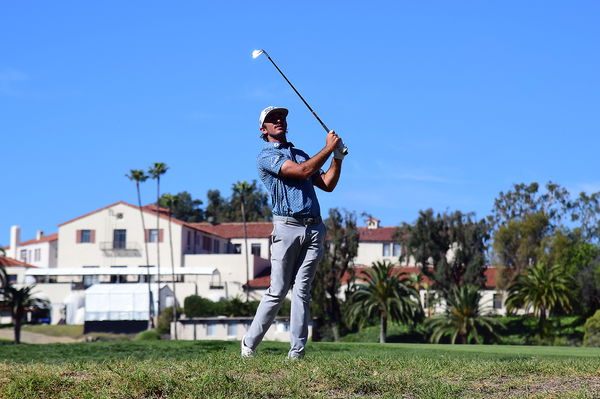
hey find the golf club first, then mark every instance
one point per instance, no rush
(257, 53)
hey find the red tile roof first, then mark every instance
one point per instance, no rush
(151, 209)
(260, 282)
(236, 230)
(490, 275)
(48, 238)
(376, 235)
(10, 262)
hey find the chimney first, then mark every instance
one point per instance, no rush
(39, 234)
(15, 239)
(373, 223)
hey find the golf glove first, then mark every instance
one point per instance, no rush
(338, 152)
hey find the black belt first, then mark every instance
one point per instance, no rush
(303, 221)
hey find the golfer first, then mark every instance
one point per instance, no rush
(290, 175)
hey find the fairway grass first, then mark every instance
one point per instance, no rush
(213, 369)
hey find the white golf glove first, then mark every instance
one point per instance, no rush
(338, 153)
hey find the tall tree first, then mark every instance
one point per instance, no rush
(171, 203)
(138, 176)
(586, 212)
(222, 210)
(453, 243)
(242, 189)
(341, 247)
(517, 245)
(385, 294)
(156, 171)
(256, 203)
(544, 288)
(525, 199)
(217, 207)
(464, 320)
(184, 208)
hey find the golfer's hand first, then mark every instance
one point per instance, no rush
(338, 153)
(332, 140)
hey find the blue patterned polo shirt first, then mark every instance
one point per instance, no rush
(289, 197)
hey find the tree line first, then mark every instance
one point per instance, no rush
(543, 242)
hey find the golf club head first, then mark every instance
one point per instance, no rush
(257, 53)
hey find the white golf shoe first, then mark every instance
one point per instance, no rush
(246, 352)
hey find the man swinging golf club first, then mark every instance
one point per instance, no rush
(290, 175)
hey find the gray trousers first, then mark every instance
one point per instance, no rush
(295, 253)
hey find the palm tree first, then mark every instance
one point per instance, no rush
(243, 188)
(139, 176)
(3, 279)
(156, 171)
(18, 299)
(171, 202)
(463, 320)
(383, 294)
(543, 288)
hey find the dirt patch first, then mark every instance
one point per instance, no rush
(35, 338)
(538, 386)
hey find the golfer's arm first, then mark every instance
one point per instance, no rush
(328, 180)
(306, 169)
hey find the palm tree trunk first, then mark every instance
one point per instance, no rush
(173, 279)
(17, 317)
(542, 323)
(157, 248)
(383, 328)
(246, 250)
(150, 321)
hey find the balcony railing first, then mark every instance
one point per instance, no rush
(120, 248)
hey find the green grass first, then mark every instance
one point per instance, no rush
(213, 369)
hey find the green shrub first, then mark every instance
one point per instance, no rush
(148, 335)
(165, 319)
(592, 330)
(197, 306)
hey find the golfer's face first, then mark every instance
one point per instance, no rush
(275, 124)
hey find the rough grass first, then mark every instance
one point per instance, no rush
(213, 369)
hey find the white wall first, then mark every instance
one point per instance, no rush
(197, 329)
(104, 222)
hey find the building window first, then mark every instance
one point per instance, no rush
(237, 248)
(232, 329)
(255, 249)
(12, 278)
(396, 249)
(189, 240)
(118, 278)
(152, 235)
(216, 247)
(497, 301)
(86, 236)
(23, 256)
(386, 249)
(37, 255)
(120, 239)
(210, 329)
(206, 243)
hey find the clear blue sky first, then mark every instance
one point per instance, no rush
(442, 104)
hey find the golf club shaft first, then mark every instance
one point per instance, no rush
(298, 93)
(344, 149)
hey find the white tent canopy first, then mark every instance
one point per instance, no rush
(120, 301)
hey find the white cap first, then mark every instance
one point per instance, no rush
(267, 111)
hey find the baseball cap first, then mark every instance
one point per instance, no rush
(267, 111)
